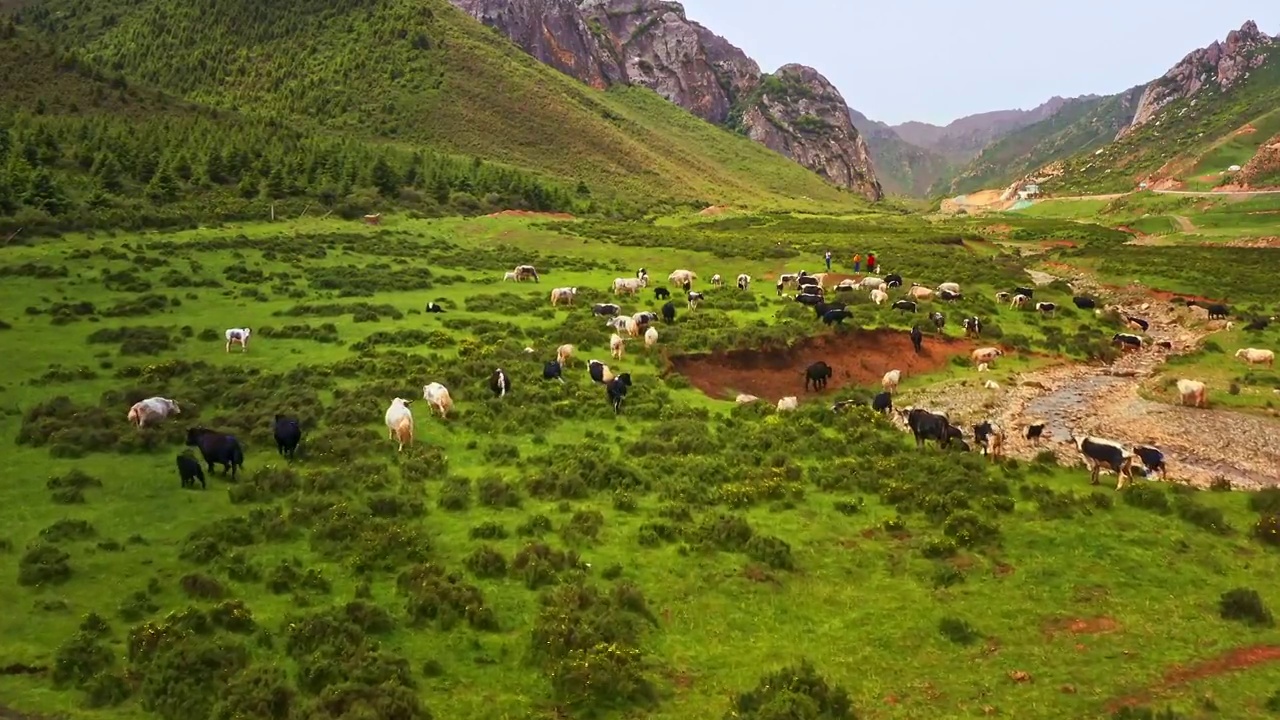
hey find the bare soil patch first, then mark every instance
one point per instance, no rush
(531, 213)
(1262, 242)
(713, 210)
(1080, 626)
(857, 357)
(1231, 661)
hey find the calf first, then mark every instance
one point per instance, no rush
(437, 396)
(189, 472)
(1098, 453)
(1084, 302)
(744, 281)
(563, 353)
(238, 335)
(1029, 292)
(152, 410)
(434, 307)
(879, 296)
(1138, 323)
(1152, 459)
(499, 383)
(990, 439)
(972, 327)
(836, 315)
(717, 281)
(882, 402)
(949, 287)
(1003, 297)
(399, 420)
(524, 272)
(1035, 433)
(288, 434)
(616, 390)
(890, 381)
(605, 309)
(563, 295)
(694, 299)
(650, 337)
(661, 293)
(938, 319)
(893, 280)
(917, 337)
(958, 445)
(1128, 340)
(669, 312)
(1019, 301)
(1192, 393)
(952, 434)
(985, 356)
(616, 346)
(905, 305)
(217, 447)
(552, 370)
(1046, 308)
(817, 374)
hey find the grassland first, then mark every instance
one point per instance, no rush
(536, 556)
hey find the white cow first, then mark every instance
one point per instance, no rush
(400, 423)
(878, 296)
(437, 396)
(563, 294)
(717, 281)
(871, 282)
(152, 410)
(631, 327)
(629, 286)
(1255, 356)
(615, 346)
(985, 356)
(680, 277)
(563, 353)
(1192, 393)
(238, 335)
(744, 398)
(650, 337)
(949, 287)
(890, 380)
(788, 403)
(509, 276)
(744, 281)
(920, 292)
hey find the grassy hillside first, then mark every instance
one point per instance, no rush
(535, 556)
(902, 168)
(419, 72)
(1183, 133)
(1081, 126)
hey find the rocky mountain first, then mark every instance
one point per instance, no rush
(962, 139)
(902, 168)
(1221, 65)
(653, 44)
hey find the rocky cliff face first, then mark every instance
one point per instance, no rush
(1220, 65)
(652, 43)
(799, 113)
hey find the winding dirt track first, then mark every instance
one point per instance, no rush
(1200, 445)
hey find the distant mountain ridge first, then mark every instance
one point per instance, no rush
(964, 138)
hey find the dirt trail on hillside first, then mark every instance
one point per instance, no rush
(1103, 400)
(1184, 223)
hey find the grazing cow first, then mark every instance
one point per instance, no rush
(434, 307)
(927, 426)
(288, 434)
(563, 353)
(1035, 432)
(1018, 301)
(787, 280)
(938, 319)
(1002, 297)
(615, 346)
(437, 396)
(1257, 356)
(788, 403)
(985, 355)
(618, 323)
(1138, 323)
(836, 315)
(917, 338)
(687, 286)
(1098, 452)
(509, 276)
(152, 410)
(374, 219)
(553, 370)
(1029, 292)
(972, 327)
(1084, 302)
(840, 405)
(599, 372)
(1152, 460)
(817, 374)
(189, 471)
(499, 383)
(821, 308)
(524, 272)
(846, 286)
(650, 337)
(239, 336)
(694, 299)
(565, 295)
(616, 389)
(217, 447)
(669, 312)
(1217, 311)
(745, 399)
(890, 381)
(681, 277)
(661, 293)
(1192, 393)
(1046, 308)
(810, 300)
(807, 281)
(779, 287)
(717, 281)
(949, 287)
(920, 292)
(893, 280)
(1127, 340)
(744, 281)
(871, 283)
(605, 309)
(878, 296)
(952, 434)
(628, 286)
(1259, 323)
(812, 290)
(882, 402)
(399, 421)
(990, 439)
(905, 305)
(631, 327)
(948, 296)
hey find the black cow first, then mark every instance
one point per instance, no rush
(1047, 308)
(1098, 452)
(1035, 432)
(218, 448)
(661, 293)
(948, 296)
(595, 369)
(822, 308)
(434, 308)
(686, 286)
(1139, 323)
(927, 426)
(958, 445)
(669, 312)
(810, 300)
(813, 290)
(938, 319)
(553, 371)
(288, 434)
(1152, 459)
(905, 305)
(817, 374)
(972, 327)
(836, 315)
(917, 337)
(499, 383)
(842, 404)
(605, 309)
(893, 280)
(779, 288)
(189, 472)
(951, 434)
(882, 402)
(616, 389)
(1216, 310)
(1030, 293)
(1084, 302)
(805, 281)
(1128, 340)
(1258, 323)
(989, 438)
(644, 318)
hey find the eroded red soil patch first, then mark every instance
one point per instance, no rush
(857, 357)
(1232, 661)
(531, 213)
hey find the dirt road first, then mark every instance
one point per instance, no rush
(1103, 400)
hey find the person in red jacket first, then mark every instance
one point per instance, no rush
(871, 262)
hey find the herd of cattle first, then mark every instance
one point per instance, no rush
(224, 449)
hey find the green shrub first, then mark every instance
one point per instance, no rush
(849, 507)
(958, 631)
(940, 548)
(44, 564)
(534, 526)
(1267, 529)
(1148, 496)
(442, 600)
(488, 530)
(771, 551)
(968, 529)
(1246, 606)
(795, 691)
(1265, 501)
(583, 526)
(496, 493)
(486, 562)
(1208, 518)
(456, 494)
(538, 564)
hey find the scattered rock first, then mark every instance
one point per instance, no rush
(1019, 676)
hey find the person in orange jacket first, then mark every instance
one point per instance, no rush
(857, 262)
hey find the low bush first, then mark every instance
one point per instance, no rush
(534, 526)
(1148, 496)
(538, 564)
(455, 495)
(44, 564)
(958, 631)
(486, 562)
(202, 587)
(1246, 606)
(771, 551)
(1267, 529)
(442, 600)
(496, 493)
(795, 691)
(488, 530)
(233, 616)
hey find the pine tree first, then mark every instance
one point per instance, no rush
(275, 184)
(44, 193)
(108, 172)
(248, 186)
(212, 168)
(384, 179)
(163, 188)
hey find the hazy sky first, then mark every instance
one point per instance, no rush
(937, 60)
